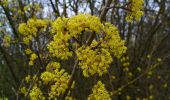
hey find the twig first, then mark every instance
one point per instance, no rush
(137, 78)
(102, 16)
(71, 79)
(31, 85)
(104, 11)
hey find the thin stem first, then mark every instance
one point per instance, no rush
(136, 79)
(71, 79)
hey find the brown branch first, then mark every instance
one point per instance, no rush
(78, 41)
(91, 5)
(97, 45)
(31, 85)
(40, 61)
(22, 9)
(71, 79)
(121, 7)
(102, 17)
(64, 9)
(105, 10)
(54, 9)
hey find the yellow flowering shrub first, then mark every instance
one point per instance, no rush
(94, 58)
(94, 55)
(99, 92)
(136, 7)
(83, 48)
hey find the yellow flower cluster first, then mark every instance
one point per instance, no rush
(52, 66)
(36, 94)
(93, 61)
(126, 63)
(47, 77)
(6, 40)
(23, 90)
(57, 78)
(28, 51)
(28, 78)
(84, 22)
(136, 7)
(59, 46)
(112, 41)
(32, 28)
(60, 85)
(33, 57)
(59, 25)
(99, 92)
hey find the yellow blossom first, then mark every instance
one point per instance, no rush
(36, 94)
(165, 85)
(159, 59)
(47, 77)
(128, 97)
(6, 40)
(33, 57)
(112, 41)
(126, 64)
(27, 78)
(57, 78)
(139, 69)
(85, 22)
(136, 7)
(99, 92)
(52, 66)
(59, 46)
(31, 29)
(93, 61)
(151, 97)
(28, 51)
(23, 90)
